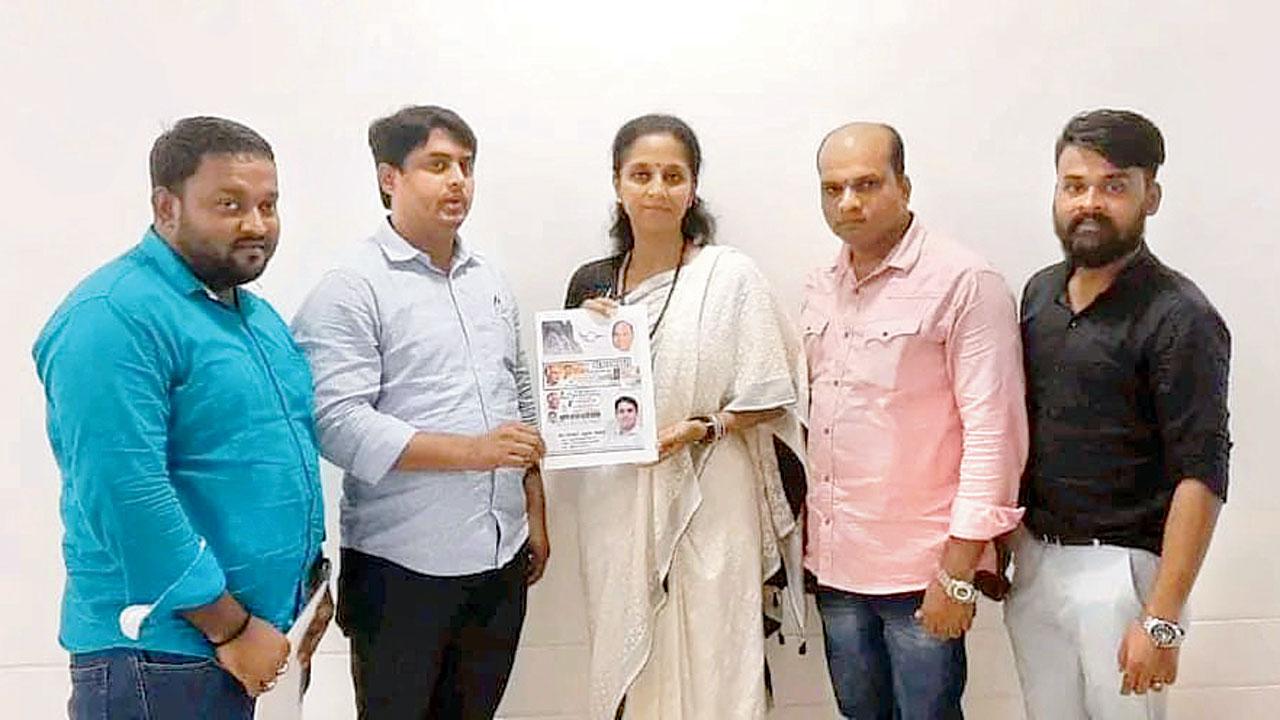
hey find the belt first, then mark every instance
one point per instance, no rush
(1066, 540)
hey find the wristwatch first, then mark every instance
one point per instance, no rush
(961, 591)
(712, 429)
(1163, 633)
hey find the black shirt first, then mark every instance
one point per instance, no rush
(1125, 400)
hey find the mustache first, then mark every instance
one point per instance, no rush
(1102, 221)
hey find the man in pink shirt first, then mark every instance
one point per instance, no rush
(918, 435)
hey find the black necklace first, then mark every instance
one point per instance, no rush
(622, 279)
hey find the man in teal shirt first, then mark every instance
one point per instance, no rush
(180, 414)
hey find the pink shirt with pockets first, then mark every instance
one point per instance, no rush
(918, 424)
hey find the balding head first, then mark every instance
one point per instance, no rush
(865, 191)
(869, 135)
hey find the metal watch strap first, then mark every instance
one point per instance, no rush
(1164, 634)
(961, 591)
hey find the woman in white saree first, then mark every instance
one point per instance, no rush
(675, 555)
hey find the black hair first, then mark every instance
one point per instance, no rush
(1125, 138)
(625, 399)
(698, 226)
(393, 137)
(176, 154)
(897, 151)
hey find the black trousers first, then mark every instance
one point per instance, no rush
(429, 647)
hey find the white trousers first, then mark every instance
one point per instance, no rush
(1067, 613)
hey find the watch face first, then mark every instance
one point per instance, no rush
(962, 593)
(1163, 634)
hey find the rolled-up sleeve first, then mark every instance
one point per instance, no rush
(337, 327)
(107, 384)
(1192, 356)
(984, 357)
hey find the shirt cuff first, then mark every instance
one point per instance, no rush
(973, 520)
(203, 583)
(1209, 468)
(381, 447)
(200, 583)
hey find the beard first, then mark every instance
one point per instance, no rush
(222, 266)
(1093, 240)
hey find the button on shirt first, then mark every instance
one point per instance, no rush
(918, 425)
(183, 430)
(398, 346)
(1127, 398)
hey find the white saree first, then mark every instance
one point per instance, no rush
(709, 523)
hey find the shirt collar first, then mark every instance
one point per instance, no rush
(170, 264)
(1133, 271)
(1137, 265)
(906, 253)
(903, 257)
(397, 249)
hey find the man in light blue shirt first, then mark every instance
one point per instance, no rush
(423, 398)
(179, 411)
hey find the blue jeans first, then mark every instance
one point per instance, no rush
(124, 684)
(883, 664)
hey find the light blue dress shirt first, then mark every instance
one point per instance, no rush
(397, 346)
(183, 430)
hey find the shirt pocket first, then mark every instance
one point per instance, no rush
(496, 330)
(885, 347)
(813, 327)
(495, 354)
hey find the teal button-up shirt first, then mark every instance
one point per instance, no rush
(183, 429)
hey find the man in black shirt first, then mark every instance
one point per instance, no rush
(1126, 365)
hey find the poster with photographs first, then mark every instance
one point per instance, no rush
(595, 388)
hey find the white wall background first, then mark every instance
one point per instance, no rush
(979, 91)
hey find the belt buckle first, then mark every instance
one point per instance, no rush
(1060, 541)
